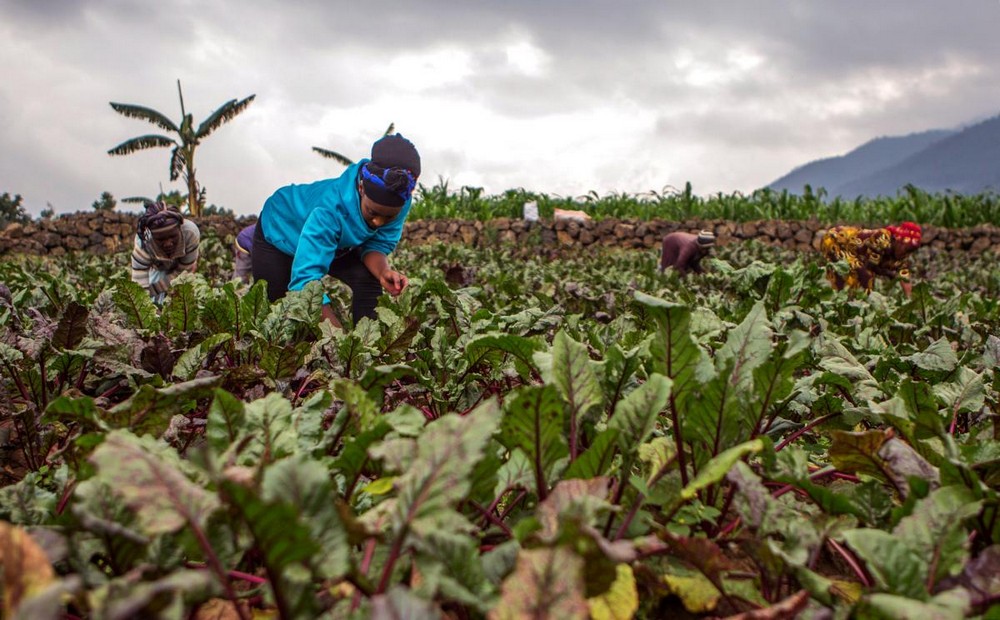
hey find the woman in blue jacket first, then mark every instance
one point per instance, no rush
(345, 227)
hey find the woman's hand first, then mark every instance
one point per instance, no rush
(393, 282)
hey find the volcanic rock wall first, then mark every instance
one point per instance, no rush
(104, 232)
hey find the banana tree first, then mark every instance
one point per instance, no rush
(343, 159)
(184, 145)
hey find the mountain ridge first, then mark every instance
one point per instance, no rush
(963, 160)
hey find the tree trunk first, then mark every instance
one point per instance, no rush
(194, 204)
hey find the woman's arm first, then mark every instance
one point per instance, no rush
(391, 280)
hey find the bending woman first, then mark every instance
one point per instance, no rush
(870, 253)
(345, 227)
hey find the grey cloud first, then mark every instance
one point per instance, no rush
(312, 62)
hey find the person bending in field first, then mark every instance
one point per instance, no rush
(345, 227)
(870, 253)
(242, 247)
(166, 244)
(684, 251)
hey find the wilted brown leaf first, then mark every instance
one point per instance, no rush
(546, 583)
(26, 569)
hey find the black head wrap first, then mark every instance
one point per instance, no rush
(391, 175)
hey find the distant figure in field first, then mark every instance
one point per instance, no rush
(870, 253)
(242, 247)
(165, 245)
(684, 251)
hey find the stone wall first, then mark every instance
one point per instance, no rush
(97, 232)
(101, 232)
(793, 235)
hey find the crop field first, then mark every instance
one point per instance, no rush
(523, 433)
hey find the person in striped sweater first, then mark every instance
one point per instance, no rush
(165, 245)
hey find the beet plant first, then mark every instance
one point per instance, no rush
(533, 435)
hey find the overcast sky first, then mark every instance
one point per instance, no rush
(560, 97)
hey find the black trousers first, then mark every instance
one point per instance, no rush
(275, 267)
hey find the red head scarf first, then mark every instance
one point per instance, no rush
(907, 232)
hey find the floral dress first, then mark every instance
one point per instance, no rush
(867, 252)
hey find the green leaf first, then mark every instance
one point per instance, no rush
(950, 605)
(269, 434)
(283, 361)
(913, 411)
(440, 475)
(223, 114)
(621, 601)
(148, 598)
(619, 369)
(286, 545)
(146, 474)
(254, 306)
(533, 422)
(181, 312)
(939, 356)
(658, 455)
(148, 141)
(376, 378)
(134, 302)
(546, 583)
(674, 352)
(27, 502)
(716, 469)
(991, 353)
(149, 410)
(306, 305)
(452, 569)
(305, 484)
(835, 357)
(82, 411)
(792, 465)
(399, 602)
(521, 348)
(221, 312)
(931, 537)
(9, 354)
(935, 530)
(879, 454)
(191, 361)
(144, 114)
(226, 419)
(572, 373)
(697, 593)
(518, 471)
(636, 415)
(573, 501)
(966, 394)
(597, 459)
(746, 348)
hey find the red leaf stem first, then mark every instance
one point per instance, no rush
(851, 561)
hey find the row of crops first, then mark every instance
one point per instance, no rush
(944, 210)
(522, 433)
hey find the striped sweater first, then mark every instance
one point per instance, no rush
(143, 261)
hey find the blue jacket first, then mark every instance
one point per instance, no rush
(315, 222)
